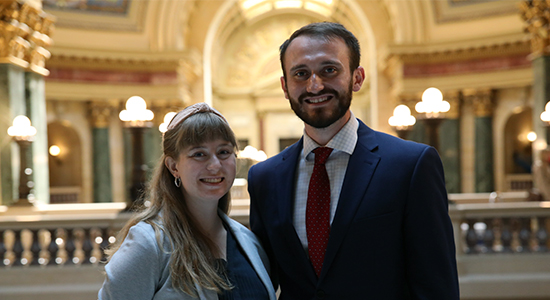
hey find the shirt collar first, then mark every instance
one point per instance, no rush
(345, 140)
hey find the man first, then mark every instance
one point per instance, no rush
(378, 226)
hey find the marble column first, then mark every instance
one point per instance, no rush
(100, 113)
(24, 35)
(536, 16)
(449, 143)
(12, 103)
(483, 104)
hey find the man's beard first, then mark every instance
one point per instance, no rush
(321, 118)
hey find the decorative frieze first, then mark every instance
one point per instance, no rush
(24, 35)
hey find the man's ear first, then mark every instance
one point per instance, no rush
(283, 86)
(358, 78)
(172, 166)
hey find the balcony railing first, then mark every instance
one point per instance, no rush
(55, 251)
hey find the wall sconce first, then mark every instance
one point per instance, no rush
(137, 118)
(23, 133)
(531, 136)
(402, 121)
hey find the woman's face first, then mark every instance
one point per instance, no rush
(207, 171)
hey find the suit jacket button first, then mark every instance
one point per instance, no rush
(320, 294)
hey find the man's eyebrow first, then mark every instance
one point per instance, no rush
(324, 63)
(300, 66)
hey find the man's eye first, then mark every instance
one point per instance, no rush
(300, 74)
(330, 70)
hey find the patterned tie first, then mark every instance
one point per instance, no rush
(318, 210)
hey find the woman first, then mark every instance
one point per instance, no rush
(183, 245)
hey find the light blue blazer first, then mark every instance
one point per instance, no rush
(140, 269)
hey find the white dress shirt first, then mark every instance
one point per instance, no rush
(343, 144)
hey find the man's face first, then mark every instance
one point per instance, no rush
(319, 83)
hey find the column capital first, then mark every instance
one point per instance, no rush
(25, 31)
(100, 113)
(482, 100)
(536, 15)
(454, 99)
(161, 109)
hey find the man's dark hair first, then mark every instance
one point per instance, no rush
(327, 31)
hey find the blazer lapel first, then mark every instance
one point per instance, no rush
(360, 170)
(287, 240)
(251, 252)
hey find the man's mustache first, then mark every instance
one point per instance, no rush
(322, 92)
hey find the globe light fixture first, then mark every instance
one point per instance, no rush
(137, 119)
(402, 120)
(432, 111)
(545, 115)
(167, 118)
(23, 134)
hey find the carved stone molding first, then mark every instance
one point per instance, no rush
(24, 35)
(483, 101)
(536, 15)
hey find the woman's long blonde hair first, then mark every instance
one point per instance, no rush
(193, 253)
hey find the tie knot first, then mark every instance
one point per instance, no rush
(321, 155)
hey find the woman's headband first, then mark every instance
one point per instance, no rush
(191, 110)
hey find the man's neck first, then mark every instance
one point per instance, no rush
(323, 135)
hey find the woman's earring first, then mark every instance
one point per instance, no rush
(177, 182)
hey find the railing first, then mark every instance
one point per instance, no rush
(54, 251)
(502, 248)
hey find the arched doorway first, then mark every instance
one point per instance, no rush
(65, 163)
(518, 150)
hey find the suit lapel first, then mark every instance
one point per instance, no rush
(285, 177)
(361, 167)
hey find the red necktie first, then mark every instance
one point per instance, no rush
(318, 210)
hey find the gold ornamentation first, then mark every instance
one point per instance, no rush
(24, 35)
(536, 14)
(100, 113)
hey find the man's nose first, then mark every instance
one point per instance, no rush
(314, 84)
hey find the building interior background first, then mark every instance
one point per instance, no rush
(71, 65)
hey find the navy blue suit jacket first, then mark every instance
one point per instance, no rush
(391, 237)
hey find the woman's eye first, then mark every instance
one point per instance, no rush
(225, 152)
(198, 154)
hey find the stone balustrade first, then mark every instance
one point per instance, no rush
(56, 250)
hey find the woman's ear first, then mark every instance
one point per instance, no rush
(172, 166)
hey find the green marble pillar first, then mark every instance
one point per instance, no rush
(152, 143)
(12, 103)
(484, 176)
(36, 107)
(449, 150)
(418, 133)
(101, 165)
(100, 116)
(541, 94)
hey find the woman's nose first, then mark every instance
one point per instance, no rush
(214, 163)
